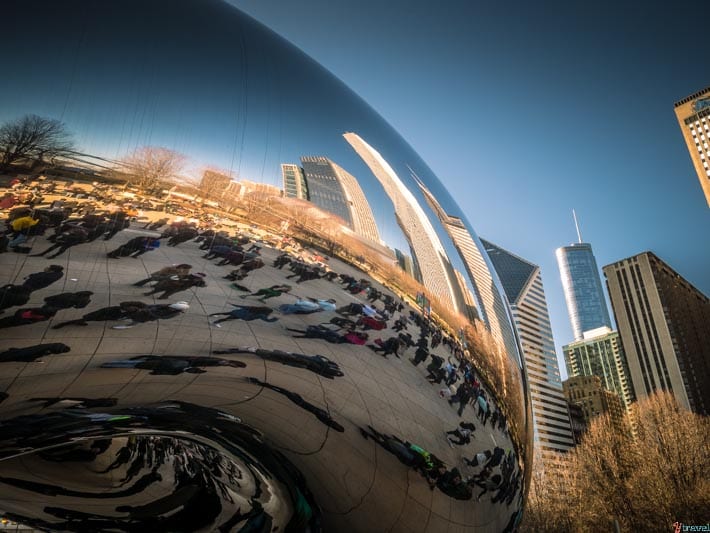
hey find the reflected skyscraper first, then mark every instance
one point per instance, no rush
(324, 187)
(405, 263)
(489, 304)
(582, 287)
(523, 287)
(436, 271)
(335, 190)
(294, 182)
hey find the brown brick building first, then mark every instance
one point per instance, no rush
(664, 323)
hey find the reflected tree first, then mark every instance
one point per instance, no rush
(214, 183)
(33, 138)
(151, 166)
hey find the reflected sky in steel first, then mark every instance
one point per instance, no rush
(343, 441)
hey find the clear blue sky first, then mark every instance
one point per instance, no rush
(527, 109)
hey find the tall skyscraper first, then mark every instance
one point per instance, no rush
(664, 323)
(600, 354)
(332, 189)
(693, 114)
(523, 287)
(582, 287)
(363, 220)
(427, 250)
(294, 182)
(324, 187)
(490, 307)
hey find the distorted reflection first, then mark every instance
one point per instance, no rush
(285, 265)
(200, 481)
(170, 365)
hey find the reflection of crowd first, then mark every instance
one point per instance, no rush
(376, 318)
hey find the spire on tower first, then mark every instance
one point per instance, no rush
(576, 225)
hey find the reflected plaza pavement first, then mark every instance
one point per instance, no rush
(262, 312)
(354, 480)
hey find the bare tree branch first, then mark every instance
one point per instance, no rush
(32, 137)
(645, 479)
(150, 166)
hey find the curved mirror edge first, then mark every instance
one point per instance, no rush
(326, 326)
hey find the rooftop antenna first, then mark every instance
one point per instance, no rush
(576, 225)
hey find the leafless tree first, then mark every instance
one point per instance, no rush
(644, 479)
(34, 138)
(150, 166)
(214, 183)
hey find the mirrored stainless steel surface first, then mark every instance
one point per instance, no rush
(234, 298)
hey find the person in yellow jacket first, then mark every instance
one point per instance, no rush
(20, 228)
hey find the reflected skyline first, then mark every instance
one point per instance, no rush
(264, 221)
(491, 306)
(427, 251)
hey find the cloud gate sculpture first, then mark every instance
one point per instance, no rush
(233, 298)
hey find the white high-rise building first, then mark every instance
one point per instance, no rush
(490, 307)
(523, 287)
(436, 271)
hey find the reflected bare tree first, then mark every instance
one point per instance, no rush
(150, 166)
(33, 138)
(213, 183)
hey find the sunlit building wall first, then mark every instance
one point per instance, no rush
(588, 393)
(489, 303)
(664, 323)
(693, 114)
(523, 287)
(420, 234)
(601, 354)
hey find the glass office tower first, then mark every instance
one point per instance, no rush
(583, 288)
(600, 353)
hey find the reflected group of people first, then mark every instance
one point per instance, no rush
(368, 315)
